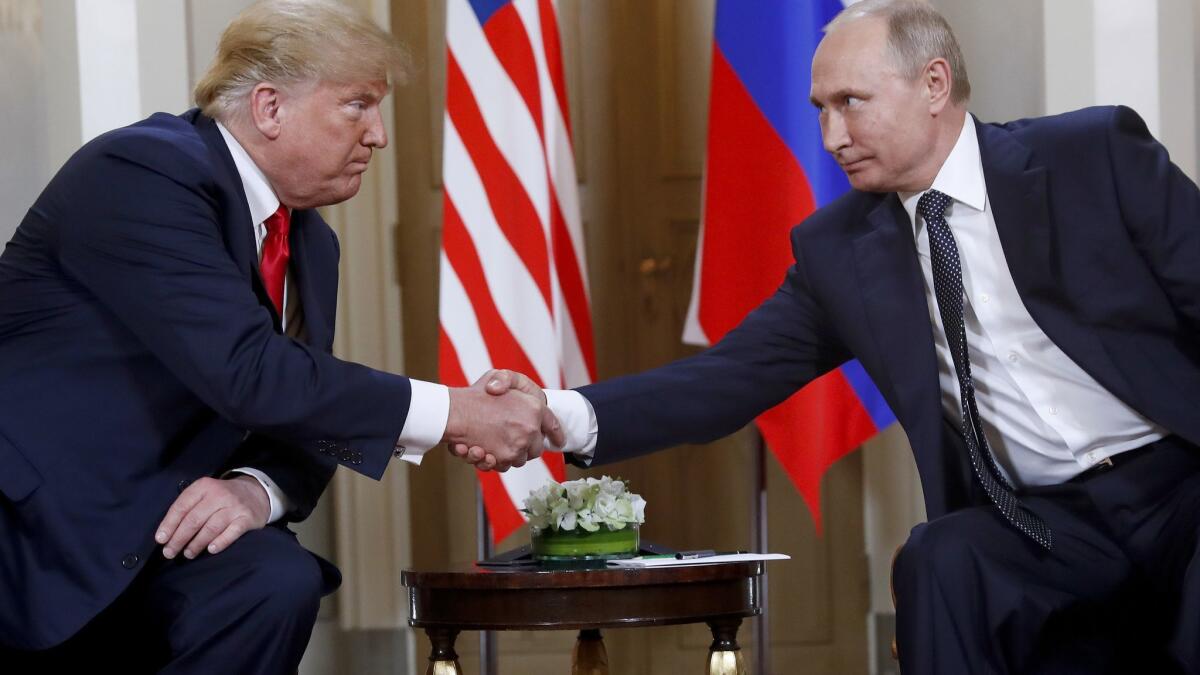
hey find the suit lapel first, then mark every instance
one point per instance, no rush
(238, 229)
(1018, 190)
(304, 228)
(893, 292)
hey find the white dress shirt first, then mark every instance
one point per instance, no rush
(1045, 419)
(422, 428)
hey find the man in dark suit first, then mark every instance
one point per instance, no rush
(1027, 298)
(166, 319)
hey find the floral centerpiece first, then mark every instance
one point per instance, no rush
(585, 519)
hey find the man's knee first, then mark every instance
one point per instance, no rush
(282, 578)
(946, 549)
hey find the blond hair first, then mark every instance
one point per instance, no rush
(917, 34)
(288, 42)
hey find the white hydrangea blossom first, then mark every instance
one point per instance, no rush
(587, 503)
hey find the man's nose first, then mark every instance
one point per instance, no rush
(833, 132)
(376, 136)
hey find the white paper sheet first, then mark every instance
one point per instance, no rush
(672, 561)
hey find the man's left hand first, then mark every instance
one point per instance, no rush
(212, 513)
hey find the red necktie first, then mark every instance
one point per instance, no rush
(275, 254)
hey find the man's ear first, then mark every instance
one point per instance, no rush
(264, 109)
(938, 83)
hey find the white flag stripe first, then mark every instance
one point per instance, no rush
(461, 327)
(575, 371)
(508, 120)
(693, 332)
(567, 191)
(462, 330)
(510, 284)
(559, 153)
(520, 482)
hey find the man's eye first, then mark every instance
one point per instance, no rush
(852, 101)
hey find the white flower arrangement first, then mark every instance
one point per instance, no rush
(586, 503)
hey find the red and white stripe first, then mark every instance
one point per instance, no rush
(513, 274)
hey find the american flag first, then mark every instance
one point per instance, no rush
(513, 275)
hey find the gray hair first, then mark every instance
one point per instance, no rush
(917, 34)
(289, 42)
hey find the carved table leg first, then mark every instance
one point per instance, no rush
(589, 656)
(725, 656)
(442, 658)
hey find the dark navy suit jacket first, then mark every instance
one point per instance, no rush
(139, 351)
(1101, 234)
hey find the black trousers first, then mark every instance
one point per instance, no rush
(249, 609)
(1119, 593)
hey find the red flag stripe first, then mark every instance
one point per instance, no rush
(554, 63)
(570, 277)
(450, 371)
(813, 429)
(509, 202)
(502, 511)
(510, 41)
(503, 348)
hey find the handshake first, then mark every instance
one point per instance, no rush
(500, 422)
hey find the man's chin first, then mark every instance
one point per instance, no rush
(863, 182)
(343, 192)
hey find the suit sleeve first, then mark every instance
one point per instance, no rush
(302, 476)
(140, 231)
(1161, 207)
(778, 348)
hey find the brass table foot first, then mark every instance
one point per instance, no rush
(589, 656)
(443, 660)
(725, 656)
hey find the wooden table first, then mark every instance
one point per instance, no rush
(468, 597)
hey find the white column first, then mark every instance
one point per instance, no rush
(1137, 54)
(130, 60)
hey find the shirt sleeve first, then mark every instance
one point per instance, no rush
(578, 420)
(428, 412)
(280, 504)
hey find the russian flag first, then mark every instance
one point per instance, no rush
(766, 171)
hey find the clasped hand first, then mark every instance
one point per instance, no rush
(500, 422)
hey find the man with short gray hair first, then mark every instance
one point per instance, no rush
(1026, 296)
(166, 320)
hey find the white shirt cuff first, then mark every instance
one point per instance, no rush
(578, 421)
(428, 412)
(280, 504)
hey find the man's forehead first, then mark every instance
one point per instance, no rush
(857, 37)
(372, 88)
(849, 52)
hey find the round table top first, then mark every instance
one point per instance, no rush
(472, 597)
(474, 576)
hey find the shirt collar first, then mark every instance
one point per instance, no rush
(259, 196)
(960, 178)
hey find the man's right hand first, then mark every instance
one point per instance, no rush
(492, 427)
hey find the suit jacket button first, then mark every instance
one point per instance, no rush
(345, 456)
(183, 484)
(130, 561)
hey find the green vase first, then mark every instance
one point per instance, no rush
(579, 544)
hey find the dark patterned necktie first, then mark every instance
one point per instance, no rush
(948, 288)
